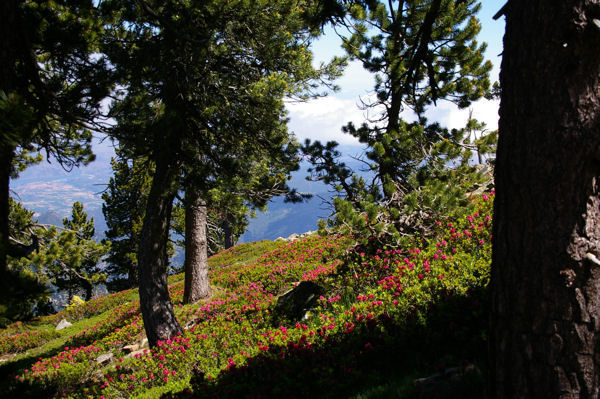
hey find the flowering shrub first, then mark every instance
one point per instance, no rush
(295, 261)
(90, 308)
(381, 305)
(25, 340)
(118, 317)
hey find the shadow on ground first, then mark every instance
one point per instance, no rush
(380, 360)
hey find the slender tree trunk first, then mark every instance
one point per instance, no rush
(229, 239)
(545, 331)
(157, 310)
(132, 276)
(89, 288)
(197, 283)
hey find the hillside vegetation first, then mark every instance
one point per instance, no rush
(387, 317)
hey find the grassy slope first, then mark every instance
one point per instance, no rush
(389, 316)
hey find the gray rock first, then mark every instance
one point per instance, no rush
(104, 358)
(297, 301)
(131, 348)
(63, 324)
(293, 237)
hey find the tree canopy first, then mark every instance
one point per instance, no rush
(421, 52)
(202, 87)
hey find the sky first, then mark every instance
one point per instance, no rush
(322, 119)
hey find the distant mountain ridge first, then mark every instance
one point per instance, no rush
(50, 191)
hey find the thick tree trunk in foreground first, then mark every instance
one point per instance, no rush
(197, 283)
(9, 31)
(6, 153)
(545, 334)
(157, 310)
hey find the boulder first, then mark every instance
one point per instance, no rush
(104, 358)
(63, 324)
(296, 302)
(131, 348)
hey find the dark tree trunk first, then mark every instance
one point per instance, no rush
(89, 288)
(545, 331)
(229, 239)
(132, 276)
(157, 310)
(6, 154)
(8, 56)
(197, 283)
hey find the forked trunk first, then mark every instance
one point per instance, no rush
(157, 310)
(545, 334)
(197, 284)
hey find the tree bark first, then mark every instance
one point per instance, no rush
(197, 283)
(545, 322)
(229, 238)
(6, 154)
(132, 276)
(157, 310)
(89, 289)
(8, 58)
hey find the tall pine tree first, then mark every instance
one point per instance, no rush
(203, 86)
(421, 52)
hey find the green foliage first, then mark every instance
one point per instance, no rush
(53, 82)
(26, 287)
(421, 51)
(51, 99)
(69, 257)
(219, 121)
(124, 209)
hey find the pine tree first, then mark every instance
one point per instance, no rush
(67, 257)
(203, 87)
(29, 290)
(50, 87)
(124, 209)
(81, 255)
(421, 52)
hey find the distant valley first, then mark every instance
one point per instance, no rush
(49, 191)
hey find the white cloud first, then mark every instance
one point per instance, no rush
(322, 119)
(450, 116)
